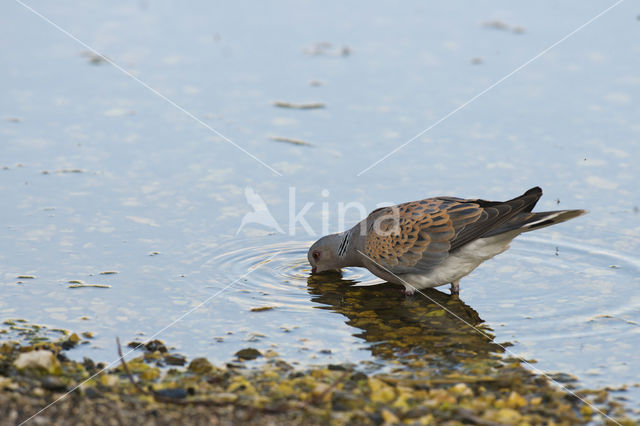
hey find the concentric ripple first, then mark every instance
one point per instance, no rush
(273, 274)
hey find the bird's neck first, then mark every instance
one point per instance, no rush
(346, 249)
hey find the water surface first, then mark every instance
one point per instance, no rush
(100, 174)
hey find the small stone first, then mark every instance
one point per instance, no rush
(44, 360)
(175, 393)
(108, 380)
(150, 374)
(321, 389)
(389, 417)
(92, 393)
(508, 416)
(53, 383)
(515, 400)
(224, 398)
(156, 345)
(345, 401)
(358, 375)
(461, 389)
(381, 392)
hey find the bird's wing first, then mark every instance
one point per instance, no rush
(416, 236)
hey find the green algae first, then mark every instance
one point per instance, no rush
(502, 391)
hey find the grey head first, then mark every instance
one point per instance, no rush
(323, 254)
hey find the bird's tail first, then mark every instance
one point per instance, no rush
(525, 222)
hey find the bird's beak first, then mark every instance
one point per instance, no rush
(313, 269)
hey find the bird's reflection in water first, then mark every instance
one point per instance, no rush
(410, 331)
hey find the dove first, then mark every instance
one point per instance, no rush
(432, 242)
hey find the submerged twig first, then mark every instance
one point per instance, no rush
(126, 369)
(312, 105)
(171, 400)
(291, 140)
(330, 389)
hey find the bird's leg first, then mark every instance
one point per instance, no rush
(455, 287)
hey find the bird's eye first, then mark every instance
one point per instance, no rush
(315, 255)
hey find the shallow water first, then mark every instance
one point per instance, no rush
(102, 175)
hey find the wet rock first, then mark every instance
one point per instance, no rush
(70, 342)
(172, 393)
(53, 383)
(43, 360)
(234, 366)
(564, 378)
(92, 392)
(389, 417)
(344, 401)
(358, 375)
(508, 416)
(224, 398)
(175, 359)
(156, 345)
(320, 391)
(248, 354)
(200, 366)
(381, 392)
(417, 412)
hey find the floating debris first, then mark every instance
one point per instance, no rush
(311, 105)
(316, 83)
(262, 308)
(69, 171)
(324, 48)
(476, 61)
(75, 282)
(108, 273)
(499, 25)
(95, 58)
(89, 285)
(291, 141)
(154, 253)
(26, 277)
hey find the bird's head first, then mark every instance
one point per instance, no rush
(323, 254)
